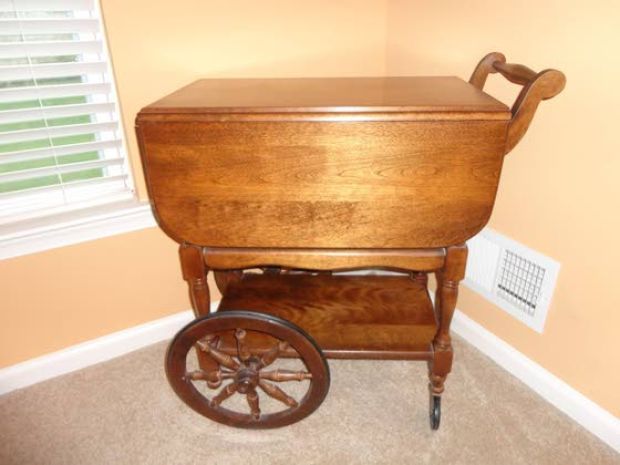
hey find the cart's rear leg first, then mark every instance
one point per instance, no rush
(445, 302)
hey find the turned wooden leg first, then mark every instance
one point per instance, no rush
(445, 302)
(195, 273)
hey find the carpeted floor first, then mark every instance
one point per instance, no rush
(123, 412)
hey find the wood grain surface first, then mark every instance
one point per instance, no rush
(390, 94)
(348, 316)
(324, 259)
(323, 185)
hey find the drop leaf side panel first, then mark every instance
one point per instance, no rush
(323, 184)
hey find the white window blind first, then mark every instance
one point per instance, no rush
(61, 144)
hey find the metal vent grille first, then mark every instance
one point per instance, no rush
(520, 282)
(517, 279)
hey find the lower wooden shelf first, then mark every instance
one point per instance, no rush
(363, 317)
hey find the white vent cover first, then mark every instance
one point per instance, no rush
(519, 280)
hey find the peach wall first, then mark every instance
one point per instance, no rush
(56, 299)
(65, 296)
(559, 192)
(156, 49)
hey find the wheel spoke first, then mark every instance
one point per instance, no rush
(280, 375)
(252, 397)
(242, 350)
(269, 357)
(224, 394)
(277, 393)
(200, 375)
(220, 357)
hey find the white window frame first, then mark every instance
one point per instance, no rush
(72, 224)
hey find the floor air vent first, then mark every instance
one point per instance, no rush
(519, 280)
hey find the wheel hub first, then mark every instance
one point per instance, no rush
(246, 379)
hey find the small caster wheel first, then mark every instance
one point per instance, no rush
(434, 410)
(269, 372)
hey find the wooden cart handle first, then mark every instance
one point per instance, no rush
(536, 87)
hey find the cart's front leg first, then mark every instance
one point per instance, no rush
(195, 274)
(445, 302)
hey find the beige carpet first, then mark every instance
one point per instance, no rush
(122, 412)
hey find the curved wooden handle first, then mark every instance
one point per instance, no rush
(519, 74)
(536, 87)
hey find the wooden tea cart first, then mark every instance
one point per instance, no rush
(278, 185)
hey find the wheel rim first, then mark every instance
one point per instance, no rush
(250, 377)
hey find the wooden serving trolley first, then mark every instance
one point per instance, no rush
(279, 185)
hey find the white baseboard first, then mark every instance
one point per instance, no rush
(555, 391)
(91, 352)
(585, 412)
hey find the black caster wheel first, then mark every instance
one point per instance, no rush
(434, 410)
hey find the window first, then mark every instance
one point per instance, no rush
(60, 139)
(61, 143)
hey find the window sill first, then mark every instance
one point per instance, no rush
(76, 227)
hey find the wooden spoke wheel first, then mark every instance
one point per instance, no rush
(246, 371)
